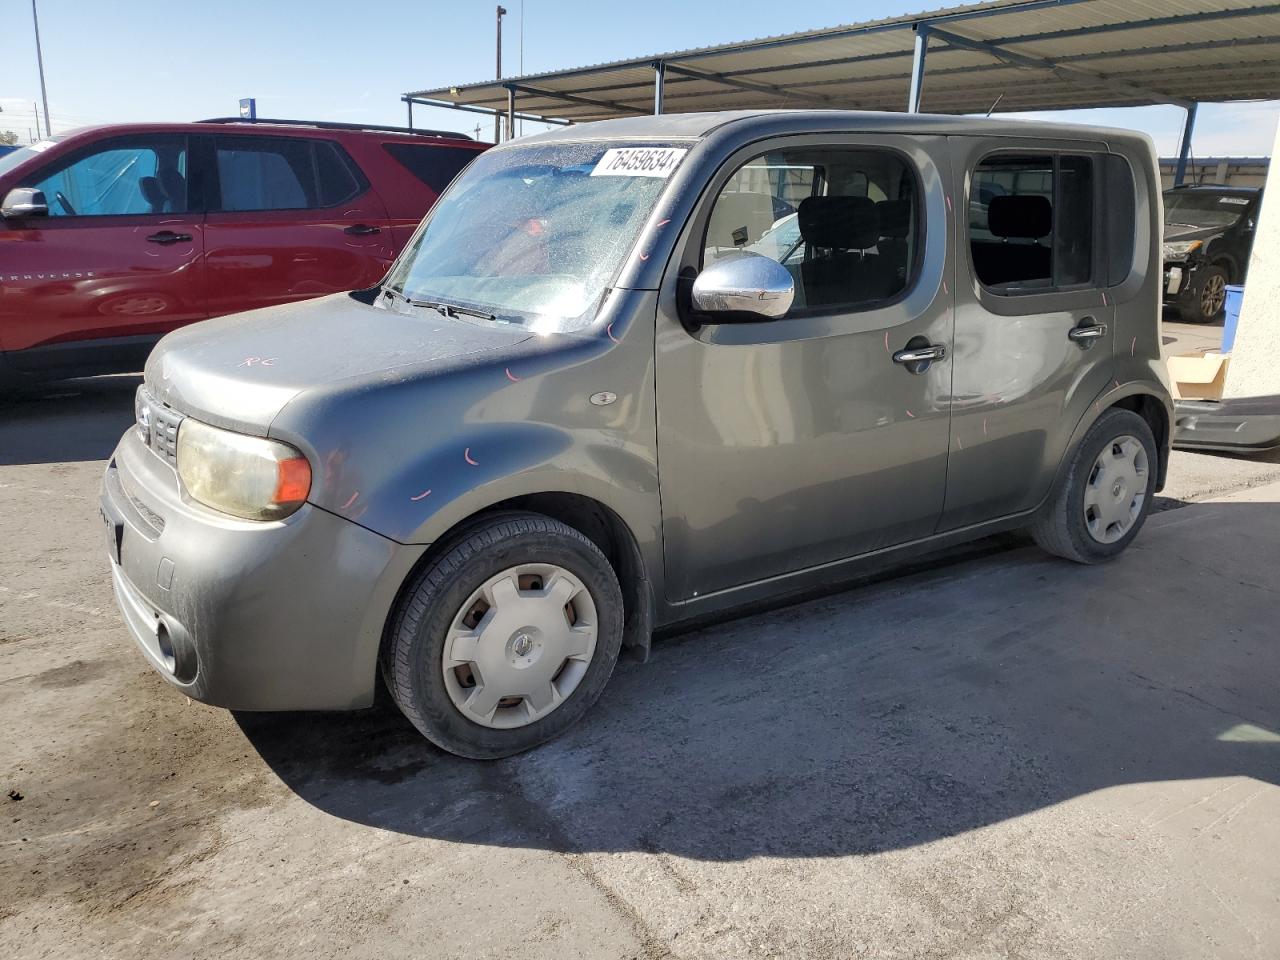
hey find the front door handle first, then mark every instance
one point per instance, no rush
(362, 229)
(167, 237)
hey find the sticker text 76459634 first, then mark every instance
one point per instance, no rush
(639, 162)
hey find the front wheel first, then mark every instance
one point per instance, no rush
(1103, 499)
(505, 639)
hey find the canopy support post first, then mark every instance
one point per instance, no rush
(917, 68)
(659, 79)
(1184, 149)
(511, 113)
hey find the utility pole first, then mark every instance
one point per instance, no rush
(497, 117)
(44, 95)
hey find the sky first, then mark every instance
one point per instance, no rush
(329, 60)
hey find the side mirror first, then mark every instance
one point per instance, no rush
(24, 202)
(744, 286)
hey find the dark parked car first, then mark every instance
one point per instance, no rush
(112, 236)
(610, 386)
(1208, 234)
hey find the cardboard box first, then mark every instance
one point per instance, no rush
(1198, 377)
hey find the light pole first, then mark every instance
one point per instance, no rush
(44, 95)
(497, 117)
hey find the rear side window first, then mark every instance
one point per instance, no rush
(1031, 221)
(436, 166)
(843, 221)
(259, 173)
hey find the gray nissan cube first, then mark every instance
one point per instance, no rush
(636, 372)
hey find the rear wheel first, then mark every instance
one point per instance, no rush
(1103, 500)
(1205, 300)
(506, 638)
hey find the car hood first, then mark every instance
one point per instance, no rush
(240, 371)
(1175, 232)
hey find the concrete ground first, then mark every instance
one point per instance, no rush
(1005, 755)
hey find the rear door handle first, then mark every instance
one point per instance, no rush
(362, 229)
(167, 237)
(1087, 332)
(935, 351)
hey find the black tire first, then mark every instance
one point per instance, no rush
(1060, 528)
(412, 651)
(1192, 307)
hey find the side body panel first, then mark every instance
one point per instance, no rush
(1020, 384)
(793, 443)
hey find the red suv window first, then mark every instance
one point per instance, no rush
(269, 173)
(436, 166)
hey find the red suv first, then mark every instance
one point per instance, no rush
(112, 236)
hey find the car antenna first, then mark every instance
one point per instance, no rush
(993, 104)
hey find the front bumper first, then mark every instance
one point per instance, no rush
(285, 615)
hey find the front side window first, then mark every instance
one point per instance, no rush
(1031, 221)
(842, 221)
(535, 234)
(260, 173)
(121, 179)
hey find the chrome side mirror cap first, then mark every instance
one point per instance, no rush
(744, 286)
(24, 202)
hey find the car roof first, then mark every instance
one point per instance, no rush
(700, 125)
(261, 128)
(1213, 188)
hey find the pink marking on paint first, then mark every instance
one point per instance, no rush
(911, 415)
(1104, 298)
(886, 341)
(984, 426)
(948, 202)
(945, 288)
(466, 455)
(1117, 384)
(351, 501)
(609, 331)
(662, 224)
(512, 377)
(423, 495)
(644, 256)
(1133, 346)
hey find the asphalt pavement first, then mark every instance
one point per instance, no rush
(1002, 754)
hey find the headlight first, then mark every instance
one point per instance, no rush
(249, 477)
(1176, 251)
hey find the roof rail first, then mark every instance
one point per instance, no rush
(333, 125)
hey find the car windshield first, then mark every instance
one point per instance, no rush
(14, 158)
(536, 234)
(1203, 209)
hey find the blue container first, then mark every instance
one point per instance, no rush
(1235, 293)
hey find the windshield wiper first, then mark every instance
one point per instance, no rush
(450, 310)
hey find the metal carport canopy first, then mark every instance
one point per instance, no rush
(1031, 54)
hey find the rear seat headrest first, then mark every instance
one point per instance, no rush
(1026, 217)
(839, 223)
(895, 218)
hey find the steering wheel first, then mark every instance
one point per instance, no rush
(65, 203)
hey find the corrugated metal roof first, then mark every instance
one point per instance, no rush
(1031, 54)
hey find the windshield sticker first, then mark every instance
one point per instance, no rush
(639, 162)
(1240, 201)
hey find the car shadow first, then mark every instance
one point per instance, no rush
(68, 421)
(884, 717)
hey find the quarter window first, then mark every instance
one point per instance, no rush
(436, 166)
(258, 173)
(124, 178)
(843, 222)
(1031, 221)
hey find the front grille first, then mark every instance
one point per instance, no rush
(157, 426)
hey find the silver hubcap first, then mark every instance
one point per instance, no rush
(520, 645)
(1116, 490)
(1213, 295)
